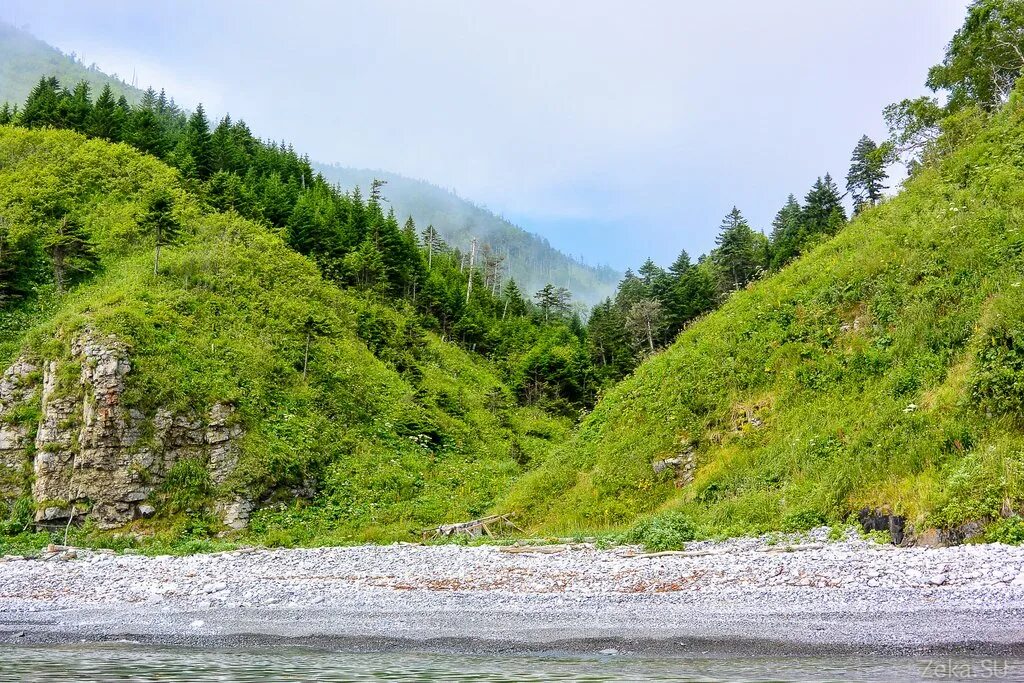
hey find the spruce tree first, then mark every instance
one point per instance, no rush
(867, 174)
(194, 155)
(69, 249)
(74, 108)
(105, 120)
(160, 222)
(680, 265)
(41, 107)
(737, 254)
(785, 239)
(823, 212)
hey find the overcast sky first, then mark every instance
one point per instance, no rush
(617, 130)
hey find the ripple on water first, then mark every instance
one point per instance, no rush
(133, 662)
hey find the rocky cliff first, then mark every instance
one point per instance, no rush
(68, 440)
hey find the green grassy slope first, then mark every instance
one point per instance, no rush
(884, 369)
(393, 429)
(24, 59)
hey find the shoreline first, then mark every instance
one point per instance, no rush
(737, 597)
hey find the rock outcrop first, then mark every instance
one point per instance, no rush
(91, 455)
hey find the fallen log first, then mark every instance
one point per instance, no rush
(472, 528)
(542, 549)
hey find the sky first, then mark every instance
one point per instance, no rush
(617, 130)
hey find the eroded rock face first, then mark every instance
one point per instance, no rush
(16, 388)
(96, 458)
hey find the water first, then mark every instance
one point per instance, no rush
(128, 662)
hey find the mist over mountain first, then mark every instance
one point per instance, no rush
(24, 58)
(530, 258)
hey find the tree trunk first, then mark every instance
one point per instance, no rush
(156, 258)
(305, 359)
(58, 270)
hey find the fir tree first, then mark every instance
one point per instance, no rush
(106, 118)
(160, 222)
(41, 106)
(737, 254)
(823, 212)
(68, 247)
(786, 236)
(194, 155)
(867, 173)
(553, 300)
(74, 108)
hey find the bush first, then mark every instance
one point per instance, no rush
(802, 520)
(999, 380)
(1009, 531)
(669, 531)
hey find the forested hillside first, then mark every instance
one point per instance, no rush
(24, 58)
(883, 370)
(341, 416)
(526, 257)
(199, 332)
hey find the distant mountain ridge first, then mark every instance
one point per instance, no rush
(24, 59)
(531, 260)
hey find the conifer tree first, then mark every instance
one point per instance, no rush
(680, 265)
(160, 222)
(74, 108)
(513, 305)
(68, 247)
(823, 212)
(106, 118)
(867, 173)
(41, 106)
(553, 300)
(194, 155)
(785, 239)
(737, 254)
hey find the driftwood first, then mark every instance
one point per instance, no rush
(676, 553)
(793, 548)
(544, 549)
(473, 528)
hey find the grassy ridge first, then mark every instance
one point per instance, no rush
(391, 429)
(883, 369)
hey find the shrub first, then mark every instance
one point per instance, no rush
(802, 520)
(999, 380)
(669, 531)
(1009, 530)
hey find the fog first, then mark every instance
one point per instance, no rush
(616, 130)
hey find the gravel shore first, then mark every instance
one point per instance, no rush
(741, 595)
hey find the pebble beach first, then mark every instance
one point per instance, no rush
(801, 594)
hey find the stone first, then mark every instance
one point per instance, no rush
(235, 514)
(883, 520)
(90, 456)
(938, 580)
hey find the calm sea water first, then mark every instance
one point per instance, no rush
(127, 662)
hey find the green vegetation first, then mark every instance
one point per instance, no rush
(882, 369)
(387, 382)
(24, 58)
(382, 426)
